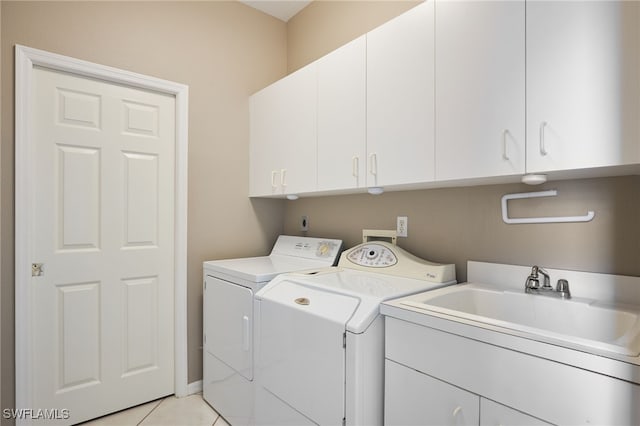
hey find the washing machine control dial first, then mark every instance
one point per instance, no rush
(373, 255)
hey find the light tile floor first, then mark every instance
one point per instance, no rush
(170, 411)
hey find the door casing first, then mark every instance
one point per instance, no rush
(26, 59)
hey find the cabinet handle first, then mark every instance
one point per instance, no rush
(373, 164)
(456, 411)
(505, 133)
(273, 179)
(283, 177)
(543, 150)
(354, 166)
(245, 333)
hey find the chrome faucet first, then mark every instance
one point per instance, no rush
(532, 284)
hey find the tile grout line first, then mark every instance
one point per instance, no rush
(151, 411)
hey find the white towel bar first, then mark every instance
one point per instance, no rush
(551, 193)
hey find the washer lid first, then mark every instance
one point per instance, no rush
(369, 288)
(302, 357)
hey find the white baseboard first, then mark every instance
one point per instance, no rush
(194, 387)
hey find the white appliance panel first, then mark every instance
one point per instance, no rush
(229, 392)
(370, 288)
(303, 358)
(273, 411)
(229, 324)
(320, 337)
(322, 249)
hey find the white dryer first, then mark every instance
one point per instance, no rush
(320, 336)
(229, 287)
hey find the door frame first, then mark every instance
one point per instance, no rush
(26, 59)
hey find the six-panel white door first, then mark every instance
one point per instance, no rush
(102, 320)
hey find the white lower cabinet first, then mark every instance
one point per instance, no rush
(414, 398)
(494, 414)
(433, 377)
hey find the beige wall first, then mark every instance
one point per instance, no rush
(460, 224)
(224, 51)
(324, 25)
(454, 225)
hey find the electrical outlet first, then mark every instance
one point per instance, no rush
(304, 223)
(402, 228)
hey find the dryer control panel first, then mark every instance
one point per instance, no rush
(373, 255)
(321, 249)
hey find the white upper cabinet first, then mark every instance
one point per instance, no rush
(283, 135)
(583, 84)
(453, 90)
(480, 89)
(264, 155)
(342, 117)
(400, 99)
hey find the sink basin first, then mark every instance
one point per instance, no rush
(576, 322)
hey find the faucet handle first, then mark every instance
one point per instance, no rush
(562, 287)
(534, 271)
(531, 283)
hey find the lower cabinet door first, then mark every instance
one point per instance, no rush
(413, 398)
(494, 414)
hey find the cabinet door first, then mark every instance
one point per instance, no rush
(283, 135)
(583, 81)
(494, 414)
(342, 117)
(264, 146)
(413, 398)
(480, 89)
(400, 99)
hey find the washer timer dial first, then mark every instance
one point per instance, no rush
(374, 256)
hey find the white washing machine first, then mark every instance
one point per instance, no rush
(320, 336)
(229, 287)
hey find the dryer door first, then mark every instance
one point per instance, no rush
(302, 356)
(228, 324)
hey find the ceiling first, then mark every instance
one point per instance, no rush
(281, 9)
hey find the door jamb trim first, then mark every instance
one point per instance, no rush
(26, 59)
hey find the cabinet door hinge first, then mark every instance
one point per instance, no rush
(344, 340)
(344, 421)
(204, 284)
